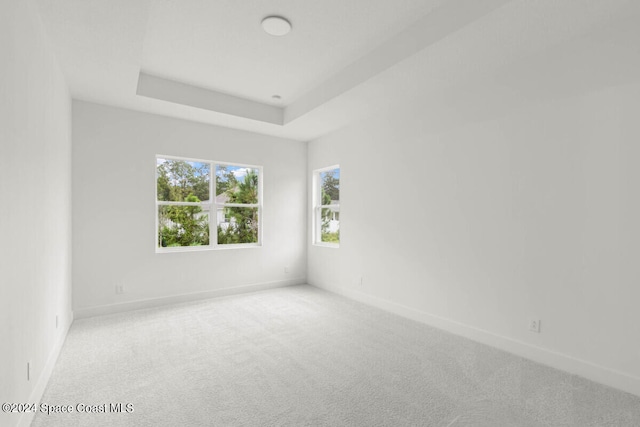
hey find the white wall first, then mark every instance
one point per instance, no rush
(114, 211)
(533, 214)
(35, 206)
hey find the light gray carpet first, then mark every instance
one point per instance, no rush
(300, 356)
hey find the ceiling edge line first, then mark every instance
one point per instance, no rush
(433, 27)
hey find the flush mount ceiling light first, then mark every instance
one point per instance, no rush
(276, 25)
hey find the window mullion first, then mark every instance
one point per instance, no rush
(172, 203)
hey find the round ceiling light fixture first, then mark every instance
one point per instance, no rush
(276, 25)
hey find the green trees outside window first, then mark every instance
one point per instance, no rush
(238, 224)
(183, 225)
(185, 208)
(328, 206)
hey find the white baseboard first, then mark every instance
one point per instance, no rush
(583, 368)
(81, 313)
(36, 394)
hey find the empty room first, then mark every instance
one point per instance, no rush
(319, 213)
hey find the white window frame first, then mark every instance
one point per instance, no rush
(316, 228)
(213, 211)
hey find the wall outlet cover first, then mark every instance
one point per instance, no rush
(534, 325)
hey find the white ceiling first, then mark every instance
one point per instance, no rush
(220, 45)
(211, 62)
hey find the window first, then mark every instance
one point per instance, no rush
(194, 197)
(326, 203)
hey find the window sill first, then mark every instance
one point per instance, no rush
(207, 248)
(327, 245)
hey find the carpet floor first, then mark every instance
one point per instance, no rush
(300, 356)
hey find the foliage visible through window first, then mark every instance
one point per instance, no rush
(237, 200)
(327, 205)
(186, 209)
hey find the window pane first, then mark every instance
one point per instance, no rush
(330, 186)
(183, 225)
(237, 225)
(236, 184)
(182, 181)
(330, 225)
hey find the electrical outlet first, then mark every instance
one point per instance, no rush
(534, 325)
(287, 270)
(119, 289)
